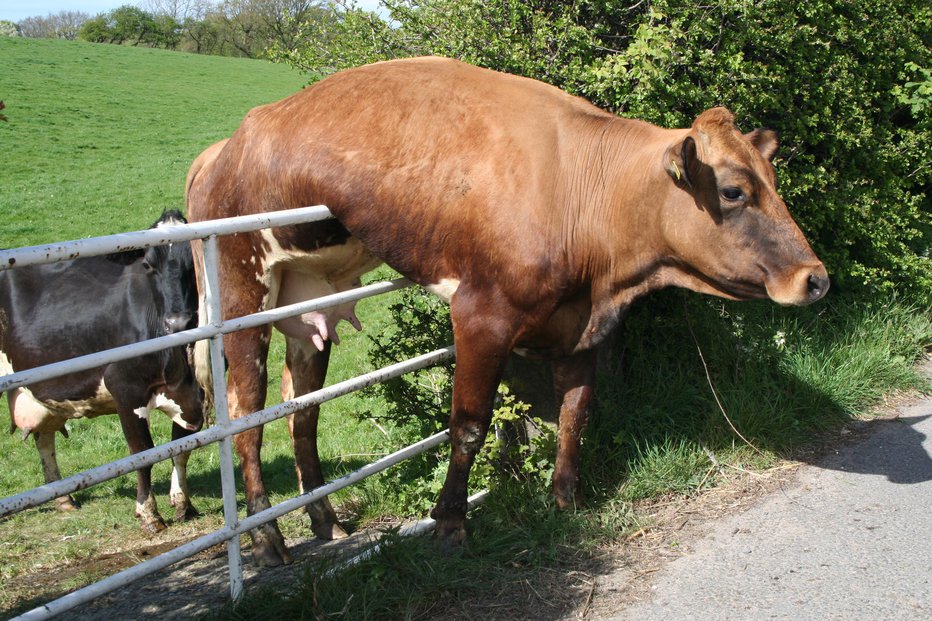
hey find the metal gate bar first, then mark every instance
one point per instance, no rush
(186, 337)
(82, 480)
(200, 544)
(225, 427)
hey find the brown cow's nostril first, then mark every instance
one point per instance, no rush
(817, 286)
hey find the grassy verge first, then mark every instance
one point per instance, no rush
(781, 379)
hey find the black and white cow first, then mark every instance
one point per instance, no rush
(53, 312)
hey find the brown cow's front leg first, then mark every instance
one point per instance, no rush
(481, 352)
(306, 372)
(246, 352)
(573, 379)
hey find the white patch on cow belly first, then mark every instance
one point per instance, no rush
(297, 276)
(6, 368)
(30, 413)
(336, 264)
(445, 288)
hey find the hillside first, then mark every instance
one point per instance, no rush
(100, 137)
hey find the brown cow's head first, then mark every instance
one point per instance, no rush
(728, 227)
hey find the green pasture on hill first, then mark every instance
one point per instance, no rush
(100, 137)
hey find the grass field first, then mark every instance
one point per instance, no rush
(98, 141)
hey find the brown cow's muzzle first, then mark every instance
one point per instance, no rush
(804, 285)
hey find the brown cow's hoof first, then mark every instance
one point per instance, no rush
(450, 538)
(329, 532)
(570, 502)
(66, 503)
(268, 546)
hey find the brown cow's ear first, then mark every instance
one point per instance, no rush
(765, 141)
(679, 159)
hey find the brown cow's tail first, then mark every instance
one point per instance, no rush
(202, 370)
(194, 202)
(202, 361)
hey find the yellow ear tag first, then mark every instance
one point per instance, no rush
(677, 169)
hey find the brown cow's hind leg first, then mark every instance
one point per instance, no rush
(246, 388)
(306, 371)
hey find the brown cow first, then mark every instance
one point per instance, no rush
(538, 216)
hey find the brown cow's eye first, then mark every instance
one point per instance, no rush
(732, 194)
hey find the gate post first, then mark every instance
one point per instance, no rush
(221, 412)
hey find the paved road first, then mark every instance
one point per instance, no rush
(853, 542)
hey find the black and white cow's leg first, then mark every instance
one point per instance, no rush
(179, 496)
(45, 442)
(307, 370)
(138, 437)
(573, 379)
(33, 417)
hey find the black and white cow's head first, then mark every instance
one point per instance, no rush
(169, 270)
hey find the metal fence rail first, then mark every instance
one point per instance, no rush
(224, 428)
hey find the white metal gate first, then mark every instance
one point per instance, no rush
(223, 428)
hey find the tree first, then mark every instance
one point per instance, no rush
(95, 30)
(62, 25)
(9, 29)
(130, 24)
(251, 27)
(166, 33)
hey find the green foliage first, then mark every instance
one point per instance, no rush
(131, 25)
(421, 323)
(519, 446)
(845, 83)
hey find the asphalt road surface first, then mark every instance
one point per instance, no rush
(852, 542)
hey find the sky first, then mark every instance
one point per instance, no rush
(16, 10)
